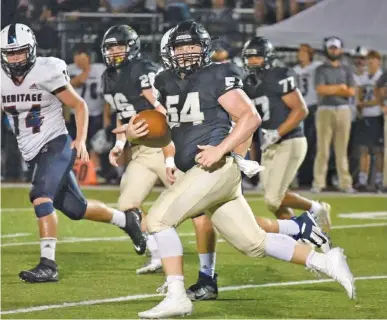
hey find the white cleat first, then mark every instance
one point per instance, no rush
(152, 266)
(169, 307)
(336, 267)
(323, 217)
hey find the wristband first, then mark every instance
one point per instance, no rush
(156, 103)
(170, 162)
(120, 144)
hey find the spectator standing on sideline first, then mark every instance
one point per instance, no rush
(305, 71)
(334, 85)
(370, 125)
(381, 93)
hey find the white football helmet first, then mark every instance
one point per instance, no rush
(17, 39)
(163, 49)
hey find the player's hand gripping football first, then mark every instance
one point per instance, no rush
(133, 130)
(114, 155)
(208, 156)
(80, 146)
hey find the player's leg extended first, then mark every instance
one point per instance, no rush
(247, 237)
(191, 194)
(291, 154)
(50, 167)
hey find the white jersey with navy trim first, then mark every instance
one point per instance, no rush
(91, 90)
(367, 83)
(33, 110)
(305, 82)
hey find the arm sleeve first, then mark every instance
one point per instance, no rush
(382, 81)
(227, 78)
(56, 75)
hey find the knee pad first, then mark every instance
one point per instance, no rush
(75, 210)
(255, 248)
(44, 209)
(273, 203)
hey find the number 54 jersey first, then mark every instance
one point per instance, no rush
(194, 113)
(33, 110)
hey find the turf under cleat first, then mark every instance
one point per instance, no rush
(152, 266)
(133, 229)
(206, 288)
(45, 271)
(311, 233)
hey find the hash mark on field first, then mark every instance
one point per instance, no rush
(189, 234)
(15, 235)
(145, 296)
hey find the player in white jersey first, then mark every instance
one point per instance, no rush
(34, 90)
(86, 79)
(305, 71)
(369, 130)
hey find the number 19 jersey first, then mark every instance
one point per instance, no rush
(33, 110)
(122, 88)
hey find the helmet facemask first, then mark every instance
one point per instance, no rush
(15, 67)
(115, 56)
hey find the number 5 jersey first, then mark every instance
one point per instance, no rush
(33, 110)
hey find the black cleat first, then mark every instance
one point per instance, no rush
(133, 229)
(45, 271)
(206, 288)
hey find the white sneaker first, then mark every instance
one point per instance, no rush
(335, 266)
(315, 190)
(152, 266)
(171, 306)
(323, 217)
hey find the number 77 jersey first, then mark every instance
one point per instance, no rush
(194, 113)
(33, 110)
(267, 97)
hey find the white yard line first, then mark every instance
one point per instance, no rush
(330, 194)
(189, 234)
(15, 235)
(145, 296)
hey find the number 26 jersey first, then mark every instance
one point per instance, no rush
(33, 110)
(122, 88)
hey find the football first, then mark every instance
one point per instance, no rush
(159, 133)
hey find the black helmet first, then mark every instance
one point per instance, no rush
(259, 47)
(120, 35)
(188, 33)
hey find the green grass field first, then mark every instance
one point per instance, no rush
(97, 269)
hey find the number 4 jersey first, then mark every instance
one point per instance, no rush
(34, 112)
(122, 88)
(267, 96)
(194, 113)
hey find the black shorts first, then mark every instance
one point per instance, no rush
(370, 131)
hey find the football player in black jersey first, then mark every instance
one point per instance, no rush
(201, 98)
(127, 87)
(282, 108)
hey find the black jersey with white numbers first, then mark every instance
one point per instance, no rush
(194, 113)
(122, 88)
(267, 96)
